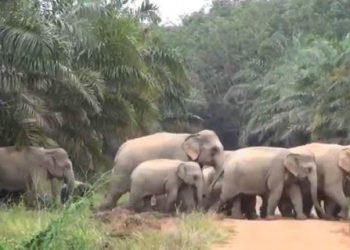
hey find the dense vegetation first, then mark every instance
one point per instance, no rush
(80, 73)
(86, 75)
(76, 228)
(269, 72)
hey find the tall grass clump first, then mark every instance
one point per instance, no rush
(71, 228)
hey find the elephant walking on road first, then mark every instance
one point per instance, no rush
(333, 165)
(248, 202)
(28, 170)
(267, 171)
(203, 147)
(164, 176)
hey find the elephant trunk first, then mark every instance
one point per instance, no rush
(312, 177)
(199, 188)
(215, 180)
(69, 179)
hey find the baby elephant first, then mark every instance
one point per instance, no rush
(163, 176)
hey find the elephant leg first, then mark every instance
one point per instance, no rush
(30, 196)
(119, 185)
(171, 199)
(187, 197)
(147, 203)
(248, 206)
(136, 201)
(286, 208)
(273, 199)
(336, 193)
(319, 215)
(263, 207)
(56, 186)
(227, 193)
(307, 206)
(236, 208)
(227, 209)
(294, 194)
(330, 208)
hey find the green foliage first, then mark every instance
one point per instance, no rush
(76, 228)
(278, 68)
(23, 229)
(75, 73)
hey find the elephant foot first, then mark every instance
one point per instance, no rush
(238, 216)
(271, 217)
(301, 217)
(330, 217)
(311, 216)
(343, 215)
(252, 216)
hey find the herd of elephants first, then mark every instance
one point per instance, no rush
(171, 172)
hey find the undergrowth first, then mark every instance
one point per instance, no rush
(76, 227)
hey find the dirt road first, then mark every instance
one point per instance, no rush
(287, 235)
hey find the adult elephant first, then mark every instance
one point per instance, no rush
(333, 165)
(267, 171)
(203, 147)
(30, 169)
(213, 196)
(331, 208)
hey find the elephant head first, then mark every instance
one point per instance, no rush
(205, 148)
(304, 166)
(344, 160)
(191, 174)
(59, 166)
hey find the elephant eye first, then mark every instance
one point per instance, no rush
(195, 177)
(214, 150)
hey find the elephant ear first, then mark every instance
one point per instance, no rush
(51, 163)
(182, 172)
(191, 146)
(344, 160)
(291, 164)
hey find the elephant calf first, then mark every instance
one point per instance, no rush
(163, 176)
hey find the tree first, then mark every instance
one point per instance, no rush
(267, 69)
(76, 73)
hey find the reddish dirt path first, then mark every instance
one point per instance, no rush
(287, 235)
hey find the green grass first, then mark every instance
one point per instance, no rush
(76, 228)
(56, 229)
